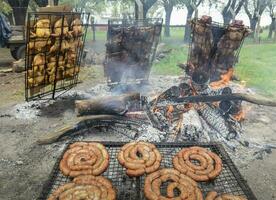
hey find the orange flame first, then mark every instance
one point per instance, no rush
(225, 79)
(169, 113)
(170, 108)
(240, 116)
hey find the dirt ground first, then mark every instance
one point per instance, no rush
(25, 165)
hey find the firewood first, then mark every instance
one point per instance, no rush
(116, 105)
(75, 125)
(255, 99)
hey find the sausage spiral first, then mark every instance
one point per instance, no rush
(139, 158)
(85, 187)
(214, 196)
(84, 158)
(209, 167)
(186, 186)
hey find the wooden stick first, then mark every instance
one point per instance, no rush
(72, 126)
(230, 97)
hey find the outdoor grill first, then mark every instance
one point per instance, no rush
(229, 181)
(44, 84)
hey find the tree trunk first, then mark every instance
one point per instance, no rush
(42, 3)
(253, 23)
(147, 4)
(20, 15)
(168, 10)
(227, 18)
(145, 11)
(19, 10)
(188, 26)
(272, 27)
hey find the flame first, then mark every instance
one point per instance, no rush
(170, 108)
(169, 113)
(225, 79)
(240, 116)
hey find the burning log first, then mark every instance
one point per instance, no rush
(230, 97)
(214, 118)
(114, 105)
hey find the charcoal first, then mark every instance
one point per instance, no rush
(214, 118)
(192, 129)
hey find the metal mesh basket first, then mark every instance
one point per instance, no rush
(229, 181)
(53, 52)
(130, 49)
(210, 51)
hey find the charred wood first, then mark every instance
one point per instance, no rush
(115, 105)
(84, 123)
(230, 97)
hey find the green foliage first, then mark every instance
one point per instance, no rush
(5, 7)
(92, 6)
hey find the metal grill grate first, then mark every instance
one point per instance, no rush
(229, 181)
(64, 70)
(130, 49)
(218, 30)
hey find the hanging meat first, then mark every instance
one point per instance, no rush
(227, 46)
(42, 28)
(129, 51)
(202, 43)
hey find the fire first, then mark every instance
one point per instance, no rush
(169, 113)
(225, 79)
(240, 116)
(170, 108)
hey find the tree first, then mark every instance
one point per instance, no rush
(191, 7)
(6, 10)
(147, 4)
(19, 8)
(121, 8)
(42, 3)
(168, 6)
(254, 10)
(232, 5)
(92, 6)
(272, 14)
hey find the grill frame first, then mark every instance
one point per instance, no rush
(132, 188)
(45, 89)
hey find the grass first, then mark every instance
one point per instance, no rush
(257, 62)
(168, 65)
(257, 67)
